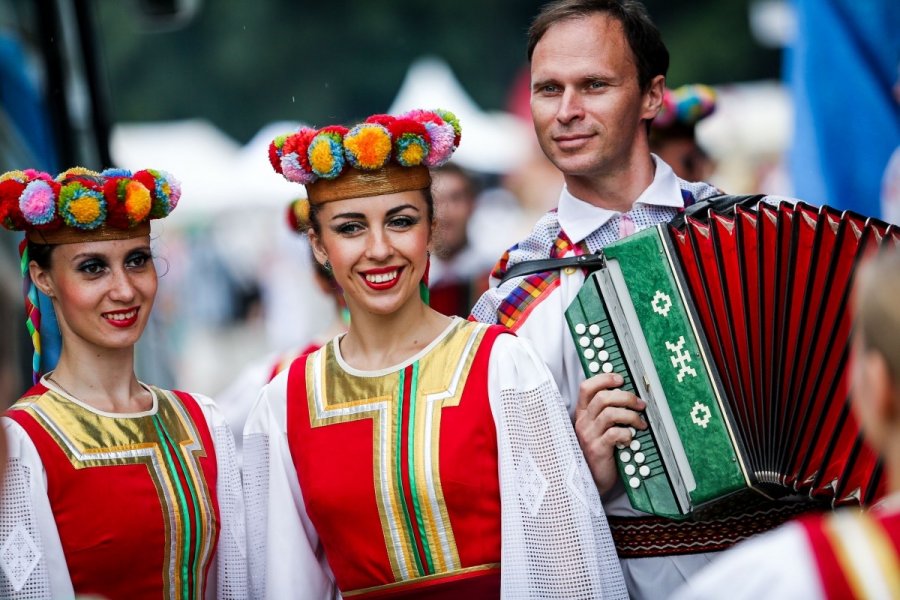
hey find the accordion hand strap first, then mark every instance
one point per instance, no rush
(592, 262)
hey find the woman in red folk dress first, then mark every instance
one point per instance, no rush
(417, 455)
(114, 487)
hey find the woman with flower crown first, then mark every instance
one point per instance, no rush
(417, 455)
(114, 487)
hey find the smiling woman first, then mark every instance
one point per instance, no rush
(114, 487)
(417, 455)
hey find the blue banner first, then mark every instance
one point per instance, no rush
(841, 70)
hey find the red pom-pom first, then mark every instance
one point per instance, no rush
(274, 158)
(10, 215)
(299, 142)
(401, 126)
(338, 129)
(385, 120)
(116, 214)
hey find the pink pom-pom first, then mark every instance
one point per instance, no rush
(38, 202)
(293, 170)
(442, 143)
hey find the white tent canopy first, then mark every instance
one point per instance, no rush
(492, 142)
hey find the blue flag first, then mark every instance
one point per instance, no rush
(841, 71)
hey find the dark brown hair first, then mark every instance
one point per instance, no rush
(650, 53)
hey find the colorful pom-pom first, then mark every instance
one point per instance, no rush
(453, 121)
(11, 216)
(38, 202)
(114, 172)
(368, 146)
(294, 161)
(81, 207)
(298, 215)
(326, 156)
(686, 105)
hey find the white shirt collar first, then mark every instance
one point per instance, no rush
(579, 219)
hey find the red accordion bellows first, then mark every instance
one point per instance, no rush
(772, 287)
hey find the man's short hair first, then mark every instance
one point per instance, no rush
(650, 53)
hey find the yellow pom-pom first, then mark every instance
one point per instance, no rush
(414, 154)
(85, 209)
(321, 159)
(137, 201)
(19, 176)
(369, 146)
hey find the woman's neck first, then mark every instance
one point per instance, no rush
(104, 381)
(376, 341)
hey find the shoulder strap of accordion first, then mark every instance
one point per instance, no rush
(723, 203)
(530, 267)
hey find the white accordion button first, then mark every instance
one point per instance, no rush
(598, 342)
(603, 355)
(634, 482)
(584, 341)
(580, 329)
(635, 445)
(625, 456)
(629, 469)
(594, 367)
(633, 431)
(594, 329)
(644, 470)
(589, 353)
(639, 457)
(607, 367)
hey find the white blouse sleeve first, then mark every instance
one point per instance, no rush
(228, 575)
(32, 563)
(284, 553)
(555, 538)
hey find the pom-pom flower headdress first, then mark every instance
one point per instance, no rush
(81, 205)
(384, 154)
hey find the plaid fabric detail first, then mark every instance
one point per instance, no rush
(530, 289)
(500, 268)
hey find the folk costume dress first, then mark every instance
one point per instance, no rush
(844, 555)
(454, 474)
(141, 506)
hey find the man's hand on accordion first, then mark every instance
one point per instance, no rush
(603, 418)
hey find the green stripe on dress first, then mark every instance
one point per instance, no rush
(411, 458)
(399, 470)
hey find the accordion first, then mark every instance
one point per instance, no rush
(733, 325)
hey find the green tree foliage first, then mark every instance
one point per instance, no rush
(243, 64)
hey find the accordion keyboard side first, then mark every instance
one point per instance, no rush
(640, 465)
(663, 326)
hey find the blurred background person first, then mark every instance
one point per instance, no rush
(673, 135)
(459, 270)
(238, 397)
(848, 554)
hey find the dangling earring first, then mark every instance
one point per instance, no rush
(327, 265)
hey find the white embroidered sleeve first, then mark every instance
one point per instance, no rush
(228, 575)
(32, 563)
(284, 555)
(555, 538)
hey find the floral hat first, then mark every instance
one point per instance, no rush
(685, 106)
(82, 205)
(384, 154)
